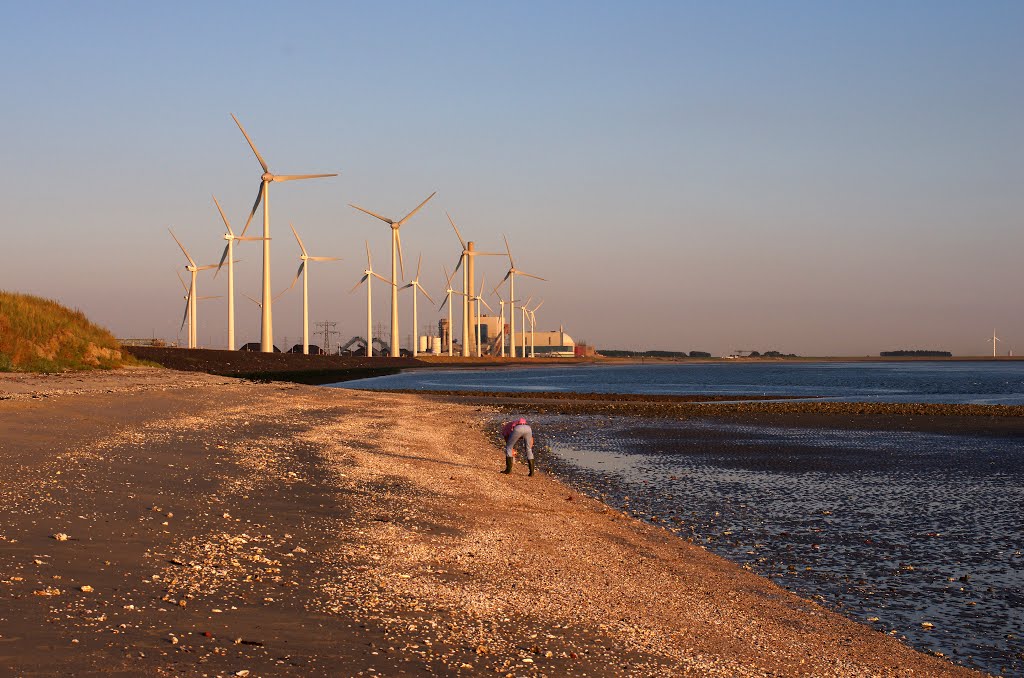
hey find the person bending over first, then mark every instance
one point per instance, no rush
(513, 432)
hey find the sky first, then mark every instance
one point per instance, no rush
(819, 178)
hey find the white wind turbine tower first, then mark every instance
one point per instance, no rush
(479, 299)
(415, 285)
(368, 275)
(304, 272)
(267, 324)
(448, 300)
(396, 259)
(533, 325)
(994, 341)
(511, 277)
(187, 315)
(526, 314)
(501, 326)
(229, 255)
(469, 252)
(193, 336)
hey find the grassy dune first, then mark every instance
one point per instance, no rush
(40, 335)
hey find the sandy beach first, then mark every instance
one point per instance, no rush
(154, 522)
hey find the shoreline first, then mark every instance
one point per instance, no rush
(303, 527)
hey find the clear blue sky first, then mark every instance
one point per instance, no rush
(815, 177)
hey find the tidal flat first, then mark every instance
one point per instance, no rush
(155, 522)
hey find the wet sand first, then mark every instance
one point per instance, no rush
(216, 526)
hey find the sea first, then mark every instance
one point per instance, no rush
(919, 535)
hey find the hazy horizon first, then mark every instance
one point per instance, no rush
(814, 178)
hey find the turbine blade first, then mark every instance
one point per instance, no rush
(255, 206)
(426, 294)
(297, 274)
(530, 275)
(409, 215)
(323, 258)
(458, 265)
(206, 268)
(205, 298)
(251, 144)
(537, 307)
(419, 266)
(227, 225)
(222, 258)
(296, 177)
(361, 281)
(487, 254)
(401, 261)
(441, 307)
(280, 294)
(372, 214)
(508, 250)
(459, 235)
(301, 246)
(184, 316)
(181, 280)
(182, 247)
(369, 261)
(258, 303)
(381, 278)
(482, 301)
(448, 278)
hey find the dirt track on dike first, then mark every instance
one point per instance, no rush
(164, 523)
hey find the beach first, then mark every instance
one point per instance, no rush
(156, 522)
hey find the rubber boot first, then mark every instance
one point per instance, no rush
(508, 465)
(529, 462)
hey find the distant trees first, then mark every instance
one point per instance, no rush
(915, 354)
(699, 354)
(618, 353)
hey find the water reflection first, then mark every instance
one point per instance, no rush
(894, 529)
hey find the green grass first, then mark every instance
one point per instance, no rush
(40, 335)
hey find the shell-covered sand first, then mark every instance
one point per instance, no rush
(154, 522)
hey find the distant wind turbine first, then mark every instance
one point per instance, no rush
(479, 299)
(193, 338)
(396, 258)
(994, 341)
(368, 275)
(266, 324)
(304, 272)
(229, 255)
(511, 277)
(448, 300)
(533, 324)
(187, 316)
(416, 286)
(467, 257)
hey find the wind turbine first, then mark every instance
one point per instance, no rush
(533, 323)
(511, 277)
(994, 341)
(468, 281)
(396, 258)
(525, 311)
(368, 275)
(187, 316)
(415, 285)
(448, 300)
(267, 324)
(304, 272)
(229, 255)
(479, 299)
(193, 269)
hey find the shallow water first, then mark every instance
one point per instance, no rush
(908, 528)
(984, 383)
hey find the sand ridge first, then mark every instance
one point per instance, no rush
(226, 526)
